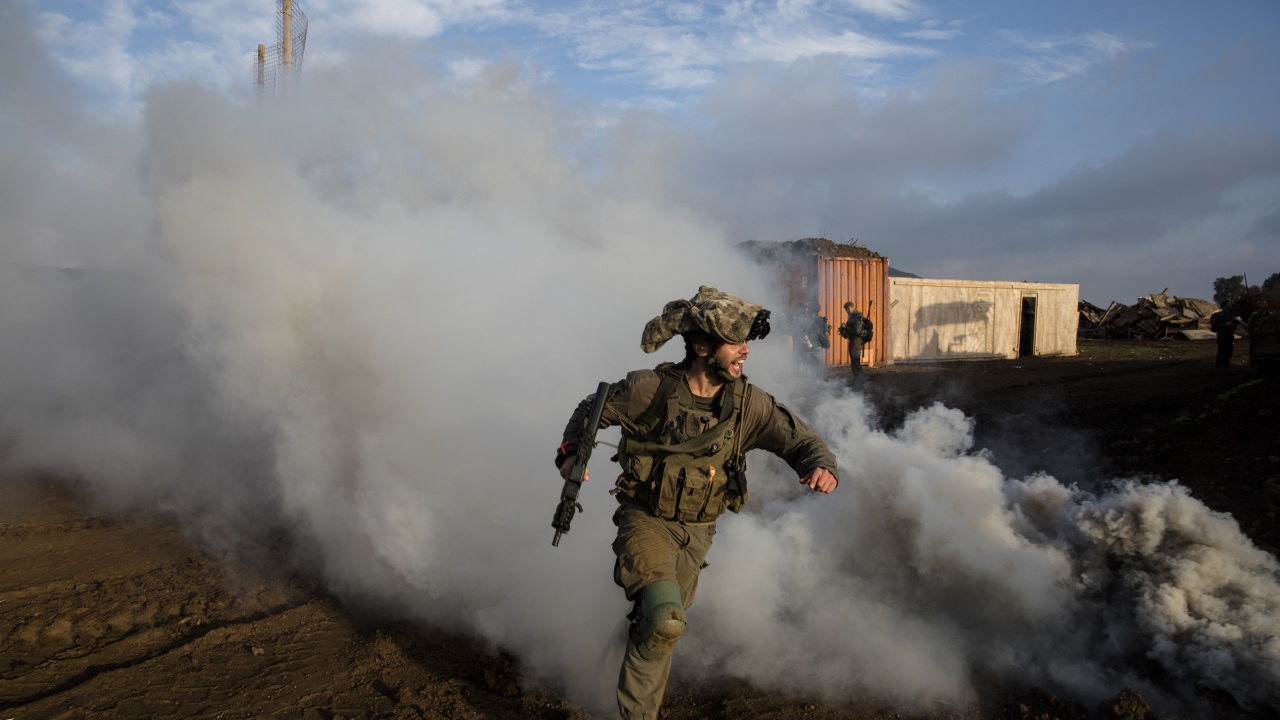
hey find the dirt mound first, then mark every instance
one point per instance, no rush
(766, 251)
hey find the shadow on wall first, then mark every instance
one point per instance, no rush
(955, 331)
(953, 313)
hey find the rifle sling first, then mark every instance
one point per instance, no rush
(631, 446)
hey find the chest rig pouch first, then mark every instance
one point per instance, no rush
(684, 463)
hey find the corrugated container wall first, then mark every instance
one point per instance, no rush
(865, 283)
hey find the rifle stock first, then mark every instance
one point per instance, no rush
(569, 494)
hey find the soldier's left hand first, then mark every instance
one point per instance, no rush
(820, 479)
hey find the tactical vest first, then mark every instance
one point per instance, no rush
(683, 463)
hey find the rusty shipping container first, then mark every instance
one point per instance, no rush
(865, 283)
(818, 272)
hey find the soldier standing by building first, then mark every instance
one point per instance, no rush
(811, 338)
(1223, 324)
(857, 329)
(686, 428)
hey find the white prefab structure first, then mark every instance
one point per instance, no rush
(940, 320)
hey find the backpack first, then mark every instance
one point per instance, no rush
(855, 327)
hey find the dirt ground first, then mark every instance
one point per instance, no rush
(114, 615)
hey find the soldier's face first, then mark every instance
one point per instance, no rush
(731, 358)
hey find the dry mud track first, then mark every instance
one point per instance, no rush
(112, 616)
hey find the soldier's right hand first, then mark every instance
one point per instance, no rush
(567, 468)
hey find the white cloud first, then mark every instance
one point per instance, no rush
(892, 9)
(784, 47)
(394, 17)
(96, 50)
(934, 29)
(412, 18)
(683, 47)
(1054, 59)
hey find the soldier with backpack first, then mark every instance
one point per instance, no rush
(858, 330)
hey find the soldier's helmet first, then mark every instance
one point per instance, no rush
(719, 314)
(849, 306)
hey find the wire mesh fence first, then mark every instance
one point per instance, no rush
(276, 66)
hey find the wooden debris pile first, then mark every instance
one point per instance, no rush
(1154, 317)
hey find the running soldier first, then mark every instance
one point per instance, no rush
(686, 429)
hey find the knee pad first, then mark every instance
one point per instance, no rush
(661, 620)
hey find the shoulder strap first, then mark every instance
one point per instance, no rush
(742, 412)
(631, 446)
(656, 413)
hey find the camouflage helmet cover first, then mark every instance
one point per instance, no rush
(716, 313)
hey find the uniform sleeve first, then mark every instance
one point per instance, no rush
(771, 426)
(616, 412)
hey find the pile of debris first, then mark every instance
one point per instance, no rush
(1154, 317)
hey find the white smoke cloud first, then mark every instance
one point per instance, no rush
(929, 567)
(365, 314)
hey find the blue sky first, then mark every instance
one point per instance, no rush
(1127, 146)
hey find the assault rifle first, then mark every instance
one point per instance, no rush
(569, 495)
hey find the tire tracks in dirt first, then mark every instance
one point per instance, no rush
(70, 615)
(61, 674)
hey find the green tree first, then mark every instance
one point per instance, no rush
(1272, 284)
(1228, 290)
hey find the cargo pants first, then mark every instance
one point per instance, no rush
(649, 550)
(855, 355)
(1226, 348)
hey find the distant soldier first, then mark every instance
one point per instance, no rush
(1223, 324)
(811, 331)
(857, 329)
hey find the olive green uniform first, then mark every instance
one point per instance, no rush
(1224, 326)
(683, 466)
(857, 330)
